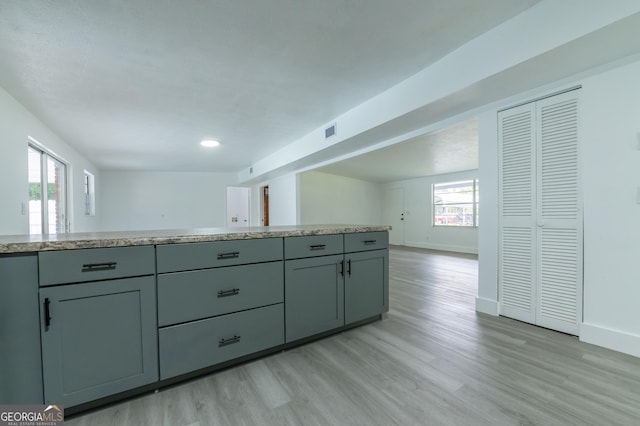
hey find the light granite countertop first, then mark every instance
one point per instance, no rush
(35, 243)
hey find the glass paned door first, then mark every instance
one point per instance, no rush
(47, 193)
(35, 191)
(56, 200)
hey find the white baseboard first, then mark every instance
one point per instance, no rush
(443, 247)
(487, 306)
(617, 340)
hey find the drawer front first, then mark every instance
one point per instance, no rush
(72, 266)
(185, 257)
(186, 296)
(365, 241)
(195, 345)
(316, 245)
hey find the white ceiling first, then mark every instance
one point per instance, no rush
(450, 150)
(136, 84)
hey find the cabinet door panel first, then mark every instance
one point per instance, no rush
(314, 296)
(366, 292)
(101, 339)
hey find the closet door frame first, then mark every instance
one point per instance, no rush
(541, 251)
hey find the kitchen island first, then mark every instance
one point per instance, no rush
(93, 317)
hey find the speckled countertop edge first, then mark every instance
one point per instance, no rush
(34, 243)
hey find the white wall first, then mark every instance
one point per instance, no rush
(16, 125)
(327, 198)
(418, 223)
(611, 153)
(487, 300)
(283, 200)
(163, 200)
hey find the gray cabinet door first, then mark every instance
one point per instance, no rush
(314, 296)
(366, 292)
(98, 339)
(20, 363)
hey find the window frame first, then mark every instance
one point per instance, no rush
(89, 191)
(473, 183)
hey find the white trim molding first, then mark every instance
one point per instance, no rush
(616, 340)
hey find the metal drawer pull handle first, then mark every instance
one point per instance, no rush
(47, 313)
(229, 341)
(369, 242)
(318, 247)
(231, 255)
(93, 267)
(231, 292)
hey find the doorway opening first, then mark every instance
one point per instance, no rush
(238, 199)
(264, 203)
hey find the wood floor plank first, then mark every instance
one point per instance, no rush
(432, 360)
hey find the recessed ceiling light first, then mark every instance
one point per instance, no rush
(209, 143)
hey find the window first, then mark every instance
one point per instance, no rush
(89, 194)
(47, 207)
(456, 203)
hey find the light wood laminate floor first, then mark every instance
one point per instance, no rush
(432, 360)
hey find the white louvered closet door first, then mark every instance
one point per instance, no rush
(559, 214)
(517, 210)
(540, 213)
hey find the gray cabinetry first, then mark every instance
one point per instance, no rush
(74, 266)
(190, 256)
(187, 296)
(80, 325)
(199, 344)
(366, 289)
(98, 338)
(20, 361)
(210, 312)
(314, 285)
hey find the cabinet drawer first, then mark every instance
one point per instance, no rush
(316, 245)
(365, 241)
(185, 257)
(199, 344)
(72, 266)
(186, 296)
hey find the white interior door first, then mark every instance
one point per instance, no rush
(238, 206)
(393, 214)
(559, 215)
(516, 133)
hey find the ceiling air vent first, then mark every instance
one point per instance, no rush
(330, 131)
